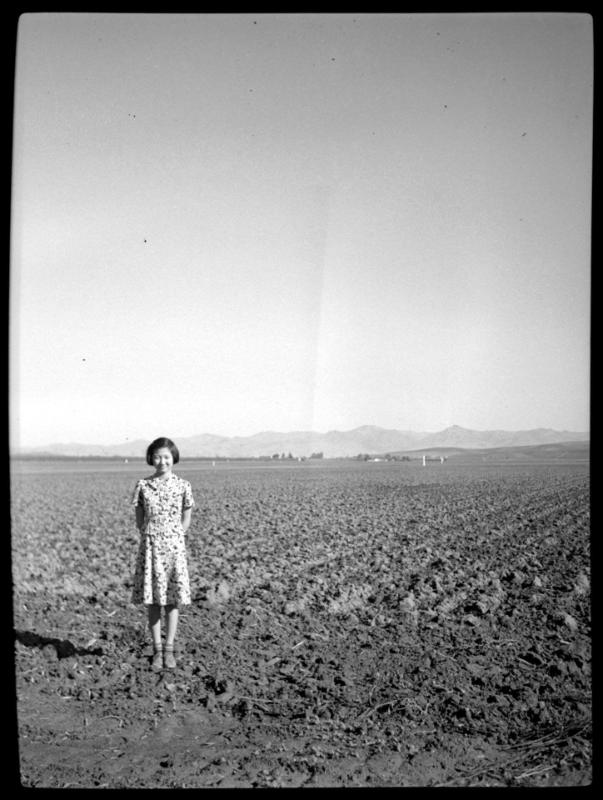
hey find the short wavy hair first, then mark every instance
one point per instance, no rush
(157, 444)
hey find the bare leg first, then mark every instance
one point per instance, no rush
(171, 613)
(154, 612)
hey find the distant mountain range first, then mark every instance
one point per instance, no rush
(334, 444)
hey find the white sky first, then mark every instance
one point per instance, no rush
(349, 219)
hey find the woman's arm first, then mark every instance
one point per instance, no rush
(139, 517)
(186, 518)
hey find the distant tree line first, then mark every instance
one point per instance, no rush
(386, 457)
(274, 457)
(62, 457)
(289, 457)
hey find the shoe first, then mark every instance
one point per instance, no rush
(157, 663)
(168, 659)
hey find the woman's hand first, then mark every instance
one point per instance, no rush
(186, 519)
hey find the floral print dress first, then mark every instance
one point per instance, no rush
(161, 573)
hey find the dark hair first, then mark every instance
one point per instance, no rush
(158, 444)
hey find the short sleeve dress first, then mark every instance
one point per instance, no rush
(161, 572)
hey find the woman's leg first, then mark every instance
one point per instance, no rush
(171, 614)
(154, 612)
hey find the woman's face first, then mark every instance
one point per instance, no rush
(163, 461)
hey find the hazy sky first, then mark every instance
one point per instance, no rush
(234, 223)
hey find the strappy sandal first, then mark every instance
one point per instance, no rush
(169, 660)
(157, 663)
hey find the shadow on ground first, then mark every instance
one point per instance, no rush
(64, 648)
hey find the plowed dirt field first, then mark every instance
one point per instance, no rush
(353, 624)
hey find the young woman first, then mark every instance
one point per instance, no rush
(164, 504)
